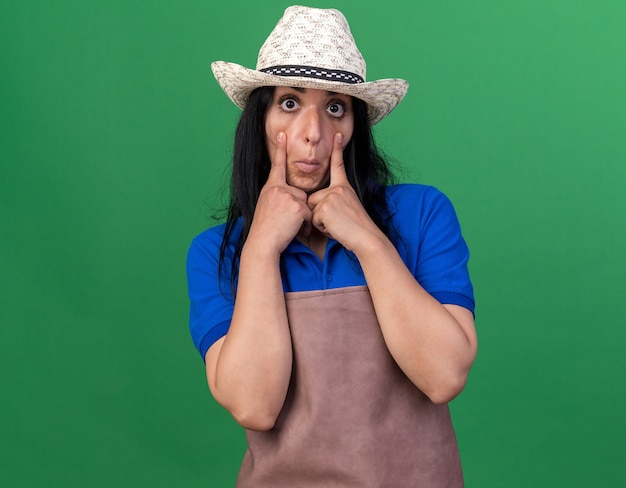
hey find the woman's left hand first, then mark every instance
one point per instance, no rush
(433, 344)
(337, 210)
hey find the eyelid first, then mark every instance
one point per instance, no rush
(345, 103)
(338, 102)
(288, 96)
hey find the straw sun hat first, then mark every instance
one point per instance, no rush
(311, 48)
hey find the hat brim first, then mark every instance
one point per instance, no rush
(381, 96)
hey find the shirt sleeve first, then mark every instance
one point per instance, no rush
(431, 244)
(211, 298)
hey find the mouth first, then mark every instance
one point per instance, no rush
(308, 165)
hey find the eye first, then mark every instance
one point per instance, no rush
(288, 104)
(336, 109)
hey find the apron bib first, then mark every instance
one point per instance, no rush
(351, 417)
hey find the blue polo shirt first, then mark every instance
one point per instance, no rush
(428, 239)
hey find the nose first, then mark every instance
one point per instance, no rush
(312, 127)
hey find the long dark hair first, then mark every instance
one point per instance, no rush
(367, 172)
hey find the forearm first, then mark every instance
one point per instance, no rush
(252, 371)
(434, 347)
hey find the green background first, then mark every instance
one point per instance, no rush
(114, 143)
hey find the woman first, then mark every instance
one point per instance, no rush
(352, 325)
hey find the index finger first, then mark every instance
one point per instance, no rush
(278, 170)
(337, 167)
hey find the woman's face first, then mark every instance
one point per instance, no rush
(310, 118)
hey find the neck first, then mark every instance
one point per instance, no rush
(315, 241)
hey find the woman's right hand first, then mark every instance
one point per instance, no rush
(249, 369)
(282, 210)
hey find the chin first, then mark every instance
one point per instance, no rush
(307, 185)
(312, 188)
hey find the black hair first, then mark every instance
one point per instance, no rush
(366, 169)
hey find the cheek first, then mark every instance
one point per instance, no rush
(270, 141)
(348, 131)
(272, 128)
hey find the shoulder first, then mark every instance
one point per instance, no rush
(416, 202)
(414, 192)
(206, 245)
(209, 242)
(209, 236)
(429, 239)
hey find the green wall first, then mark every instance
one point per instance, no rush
(114, 140)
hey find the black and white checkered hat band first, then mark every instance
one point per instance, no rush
(312, 72)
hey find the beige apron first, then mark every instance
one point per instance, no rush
(351, 417)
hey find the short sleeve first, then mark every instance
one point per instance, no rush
(210, 295)
(431, 243)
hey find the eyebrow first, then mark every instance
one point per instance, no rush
(303, 90)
